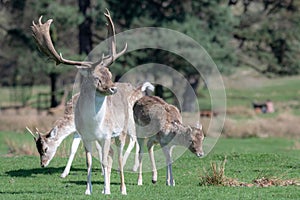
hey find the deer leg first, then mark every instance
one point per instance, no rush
(132, 142)
(75, 144)
(105, 152)
(99, 149)
(120, 160)
(150, 146)
(128, 150)
(136, 156)
(110, 161)
(88, 151)
(169, 176)
(141, 151)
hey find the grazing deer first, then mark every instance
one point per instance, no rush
(101, 112)
(161, 123)
(47, 144)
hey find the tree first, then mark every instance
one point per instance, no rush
(208, 22)
(268, 36)
(85, 29)
(22, 60)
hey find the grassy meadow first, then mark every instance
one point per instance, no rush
(255, 147)
(246, 160)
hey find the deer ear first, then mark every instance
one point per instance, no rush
(34, 136)
(53, 133)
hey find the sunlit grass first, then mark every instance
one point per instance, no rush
(246, 160)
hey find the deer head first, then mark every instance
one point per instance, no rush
(196, 137)
(191, 136)
(97, 72)
(46, 144)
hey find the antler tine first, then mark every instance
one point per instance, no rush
(110, 33)
(113, 55)
(41, 34)
(40, 20)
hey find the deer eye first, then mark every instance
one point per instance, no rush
(98, 81)
(46, 149)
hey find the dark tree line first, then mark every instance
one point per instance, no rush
(262, 34)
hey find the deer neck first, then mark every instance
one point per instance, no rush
(181, 138)
(65, 127)
(90, 101)
(90, 112)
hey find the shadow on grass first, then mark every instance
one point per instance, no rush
(83, 182)
(35, 171)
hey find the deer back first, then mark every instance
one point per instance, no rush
(154, 112)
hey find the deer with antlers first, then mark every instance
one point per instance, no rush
(101, 112)
(47, 144)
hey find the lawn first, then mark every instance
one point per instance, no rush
(247, 159)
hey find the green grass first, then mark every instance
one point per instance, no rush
(247, 159)
(278, 90)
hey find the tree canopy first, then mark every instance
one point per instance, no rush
(263, 35)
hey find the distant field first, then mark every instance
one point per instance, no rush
(241, 90)
(11, 96)
(247, 159)
(282, 91)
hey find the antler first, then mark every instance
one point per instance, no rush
(41, 34)
(113, 55)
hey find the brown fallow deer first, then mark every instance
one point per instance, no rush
(101, 112)
(160, 122)
(47, 144)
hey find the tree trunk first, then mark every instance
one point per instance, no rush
(85, 30)
(159, 91)
(53, 78)
(190, 95)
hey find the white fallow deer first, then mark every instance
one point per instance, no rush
(161, 123)
(101, 112)
(47, 144)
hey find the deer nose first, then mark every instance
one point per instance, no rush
(113, 90)
(200, 154)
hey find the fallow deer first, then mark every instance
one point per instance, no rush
(161, 123)
(47, 144)
(101, 112)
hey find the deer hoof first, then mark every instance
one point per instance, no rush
(140, 182)
(105, 192)
(63, 175)
(88, 192)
